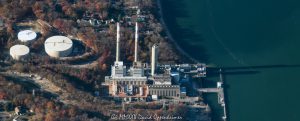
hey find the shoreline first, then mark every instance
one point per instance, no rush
(169, 35)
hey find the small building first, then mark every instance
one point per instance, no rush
(219, 84)
(162, 80)
(154, 97)
(19, 110)
(201, 69)
(184, 67)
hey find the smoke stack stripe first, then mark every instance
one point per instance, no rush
(118, 42)
(154, 59)
(136, 42)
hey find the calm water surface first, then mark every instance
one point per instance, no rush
(261, 36)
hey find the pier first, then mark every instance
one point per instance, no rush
(220, 91)
(209, 90)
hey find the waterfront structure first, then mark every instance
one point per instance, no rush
(19, 52)
(140, 81)
(58, 46)
(27, 36)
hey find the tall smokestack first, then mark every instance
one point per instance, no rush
(136, 42)
(154, 57)
(118, 42)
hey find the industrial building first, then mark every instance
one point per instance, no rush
(133, 81)
(121, 83)
(27, 36)
(162, 86)
(58, 46)
(165, 90)
(19, 52)
(141, 81)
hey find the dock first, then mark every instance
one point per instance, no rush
(209, 90)
(222, 96)
(220, 91)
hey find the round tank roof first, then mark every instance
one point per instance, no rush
(26, 35)
(58, 43)
(19, 50)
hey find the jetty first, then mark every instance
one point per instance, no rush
(220, 91)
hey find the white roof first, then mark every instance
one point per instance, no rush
(19, 50)
(154, 96)
(26, 35)
(58, 43)
(119, 63)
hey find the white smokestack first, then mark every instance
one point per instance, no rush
(136, 42)
(154, 57)
(118, 42)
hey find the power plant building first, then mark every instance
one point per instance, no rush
(165, 90)
(134, 81)
(58, 46)
(121, 83)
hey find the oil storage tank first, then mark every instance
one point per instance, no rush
(19, 52)
(58, 46)
(27, 36)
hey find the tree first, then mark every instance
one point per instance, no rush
(20, 67)
(50, 116)
(72, 111)
(7, 106)
(50, 105)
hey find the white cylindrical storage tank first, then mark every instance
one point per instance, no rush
(27, 36)
(58, 46)
(19, 52)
